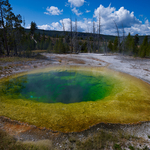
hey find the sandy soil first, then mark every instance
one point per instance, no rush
(137, 67)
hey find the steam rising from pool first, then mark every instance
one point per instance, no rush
(71, 99)
(59, 86)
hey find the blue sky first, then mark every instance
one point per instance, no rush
(134, 15)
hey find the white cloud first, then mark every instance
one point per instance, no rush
(53, 26)
(45, 27)
(121, 16)
(87, 11)
(76, 11)
(28, 27)
(82, 26)
(76, 3)
(53, 11)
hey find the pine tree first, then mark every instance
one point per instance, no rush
(50, 47)
(56, 48)
(33, 27)
(110, 45)
(144, 48)
(129, 44)
(6, 22)
(115, 47)
(135, 46)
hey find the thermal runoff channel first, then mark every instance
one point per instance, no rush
(74, 98)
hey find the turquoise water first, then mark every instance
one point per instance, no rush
(58, 86)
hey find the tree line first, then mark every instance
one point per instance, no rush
(130, 46)
(15, 41)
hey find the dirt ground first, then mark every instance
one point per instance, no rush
(137, 67)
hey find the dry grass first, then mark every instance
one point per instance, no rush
(39, 51)
(70, 60)
(1, 68)
(102, 139)
(14, 59)
(76, 61)
(8, 142)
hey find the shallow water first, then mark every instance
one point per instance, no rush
(58, 86)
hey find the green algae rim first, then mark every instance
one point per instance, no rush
(68, 86)
(123, 107)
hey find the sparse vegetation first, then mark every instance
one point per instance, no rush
(100, 140)
(8, 142)
(17, 41)
(13, 59)
(117, 147)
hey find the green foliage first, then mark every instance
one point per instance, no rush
(50, 47)
(144, 48)
(84, 47)
(33, 27)
(129, 42)
(115, 48)
(131, 147)
(145, 148)
(136, 40)
(110, 46)
(117, 147)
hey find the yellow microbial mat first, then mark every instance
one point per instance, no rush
(72, 98)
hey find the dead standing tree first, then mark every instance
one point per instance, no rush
(88, 41)
(75, 40)
(99, 30)
(71, 34)
(94, 47)
(118, 36)
(123, 40)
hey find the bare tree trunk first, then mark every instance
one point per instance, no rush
(105, 47)
(75, 40)
(5, 36)
(63, 27)
(99, 30)
(123, 48)
(118, 36)
(93, 36)
(71, 34)
(64, 34)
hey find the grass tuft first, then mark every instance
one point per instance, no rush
(117, 147)
(8, 142)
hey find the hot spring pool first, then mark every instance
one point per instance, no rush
(59, 86)
(71, 99)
